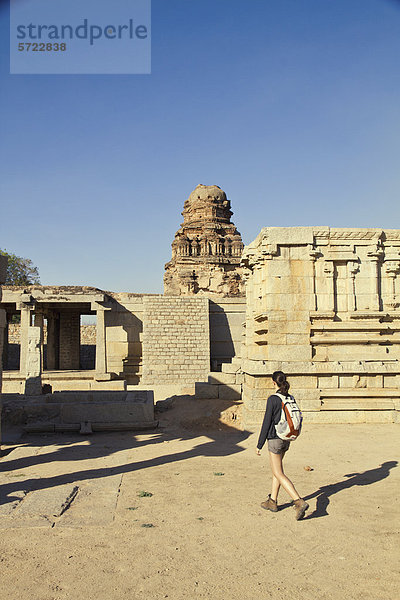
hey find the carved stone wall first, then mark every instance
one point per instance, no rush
(207, 248)
(323, 305)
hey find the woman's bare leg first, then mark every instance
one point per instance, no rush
(275, 484)
(275, 488)
(280, 477)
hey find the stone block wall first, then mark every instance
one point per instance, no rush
(227, 317)
(88, 346)
(69, 341)
(176, 340)
(125, 323)
(87, 349)
(124, 327)
(323, 305)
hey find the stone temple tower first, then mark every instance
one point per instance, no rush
(207, 248)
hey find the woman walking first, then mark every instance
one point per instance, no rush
(277, 449)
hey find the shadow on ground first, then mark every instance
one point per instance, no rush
(105, 445)
(324, 493)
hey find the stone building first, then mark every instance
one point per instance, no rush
(145, 339)
(206, 250)
(323, 305)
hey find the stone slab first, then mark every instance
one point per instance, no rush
(106, 412)
(50, 502)
(95, 504)
(206, 390)
(230, 368)
(230, 392)
(217, 377)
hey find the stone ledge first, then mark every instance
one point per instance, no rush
(360, 393)
(266, 368)
(253, 419)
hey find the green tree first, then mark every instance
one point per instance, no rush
(20, 271)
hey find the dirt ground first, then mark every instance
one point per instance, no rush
(175, 513)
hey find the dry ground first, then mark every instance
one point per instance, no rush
(202, 533)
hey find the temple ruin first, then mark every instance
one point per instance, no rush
(146, 339)
(321, 304)
(207, 248)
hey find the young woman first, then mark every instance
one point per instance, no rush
(277, 449)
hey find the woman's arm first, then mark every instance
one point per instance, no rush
(266, 424)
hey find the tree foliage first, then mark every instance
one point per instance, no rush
(20, 271)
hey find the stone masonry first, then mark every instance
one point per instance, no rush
(323, 305)
(69, 354)
(87, 346)
(123, 335)
(207, 248)
(176, 340)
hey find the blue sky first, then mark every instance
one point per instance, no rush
(291, 106)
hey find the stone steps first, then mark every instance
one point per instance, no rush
(222, 385)
(67, 409)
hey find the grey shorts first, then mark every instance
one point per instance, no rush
(278, 446)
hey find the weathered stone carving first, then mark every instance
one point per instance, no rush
(33, 364)
(207, 248)
(323, 305)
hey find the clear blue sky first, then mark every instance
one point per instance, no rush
(291, 106)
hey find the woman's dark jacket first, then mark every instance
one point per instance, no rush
(271, 418)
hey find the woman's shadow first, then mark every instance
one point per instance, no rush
(324, 493)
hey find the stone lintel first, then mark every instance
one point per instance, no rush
(98, 305)
(42, 297)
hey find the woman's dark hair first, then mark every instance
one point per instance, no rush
(283, 385)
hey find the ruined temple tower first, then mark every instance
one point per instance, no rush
(207, 248)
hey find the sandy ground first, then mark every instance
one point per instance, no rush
(202, 533)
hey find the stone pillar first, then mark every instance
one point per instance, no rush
(314, 254)
(39, 322)
(375, 257)
(353, 268)
(392, 268)
(25, 324)
(33, 375)
(3, 335)
(101, 353)
(329, 272)
(53, 340)
(5, 342)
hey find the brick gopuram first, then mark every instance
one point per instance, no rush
(207, 248)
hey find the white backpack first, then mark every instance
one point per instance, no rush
(289, 426)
